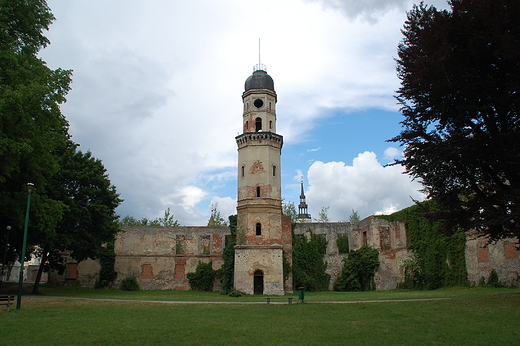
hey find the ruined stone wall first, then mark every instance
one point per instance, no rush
(161, 257)
(482, 256)
(389, 238)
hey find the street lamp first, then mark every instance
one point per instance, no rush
(30, 187)
(8, 228)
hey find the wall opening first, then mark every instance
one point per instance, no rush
(258, 282)
(258, 191)
(258, 124)
(258, 229)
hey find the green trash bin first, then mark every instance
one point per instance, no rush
(301, 293)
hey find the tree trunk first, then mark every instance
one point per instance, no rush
(45, 256)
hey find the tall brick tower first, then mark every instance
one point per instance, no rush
(262, 235)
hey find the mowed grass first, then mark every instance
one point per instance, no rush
(473, 316)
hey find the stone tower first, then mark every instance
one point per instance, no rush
(261, 233)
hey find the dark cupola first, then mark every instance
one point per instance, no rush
(259, 79)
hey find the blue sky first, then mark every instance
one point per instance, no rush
(157, 87)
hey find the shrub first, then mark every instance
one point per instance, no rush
(202, 279)
(358, 271)
(129, 284)
(235, 293)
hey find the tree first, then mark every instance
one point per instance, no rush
(308, 264)
(88, 221)
(216, 218)
(323, 215)
(289, 209)
(460, 98)
(354, 217)
(32, 127)
(168, 220)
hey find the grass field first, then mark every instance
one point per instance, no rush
(73, 316)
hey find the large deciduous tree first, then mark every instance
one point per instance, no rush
(73, 204)
(460, 78)
(88, 220)
(32, 127)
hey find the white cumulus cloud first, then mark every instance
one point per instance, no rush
(366, 186)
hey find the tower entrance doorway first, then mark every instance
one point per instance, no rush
(259, 282)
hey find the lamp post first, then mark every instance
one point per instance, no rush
(8, 228)
(30, 187)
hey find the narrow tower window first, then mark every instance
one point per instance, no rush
(274, 171)
(258, 124)
(258, 191)
(242, 171)
(258, 229)
(246, 128)
(270, 125)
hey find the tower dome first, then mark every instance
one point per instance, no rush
(259, 79)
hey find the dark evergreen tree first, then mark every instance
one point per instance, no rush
(460, 77)
(308, 264)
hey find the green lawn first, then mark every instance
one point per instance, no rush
(473, 316)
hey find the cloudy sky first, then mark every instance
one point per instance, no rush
(157, 88)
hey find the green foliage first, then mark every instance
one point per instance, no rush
(107, 258)
(168, 220)
(358, 271)
(235, 293)
(202, 279)
(439, 258)
(459, 96)
(32, 127)
(129, 284)
(354, 217)
(308, 264)
(323, 215)
(321, 243)
(493, 280)
(227, 271)
(289, 209)
(216, 218)
(343, 245)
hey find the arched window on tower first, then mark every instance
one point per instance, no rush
(274, 171)
(258, 191)
(258, 124)
(270, 125)
(246, 128)
(258, 229)
(243, 169)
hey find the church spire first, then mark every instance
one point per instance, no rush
(303, 215)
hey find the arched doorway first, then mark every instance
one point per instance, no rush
(258, 282)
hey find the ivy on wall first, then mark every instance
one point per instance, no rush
(439, 258)
(227, 271)
(308, 264)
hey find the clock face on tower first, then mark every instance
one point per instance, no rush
(258, 103)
